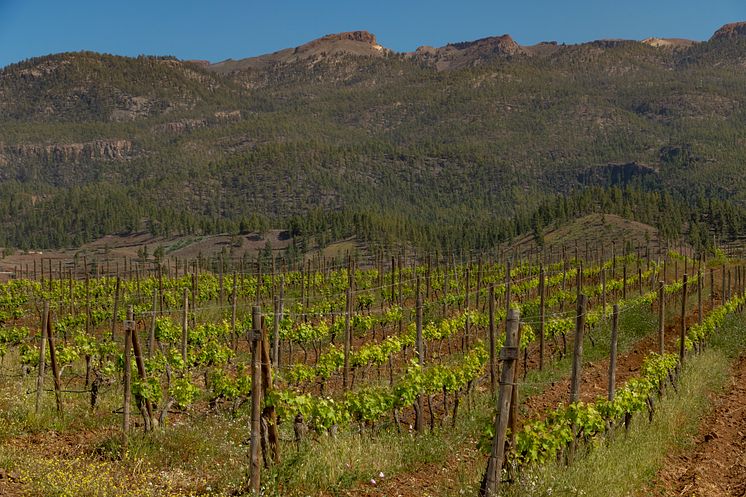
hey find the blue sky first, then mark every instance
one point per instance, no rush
(220, 29)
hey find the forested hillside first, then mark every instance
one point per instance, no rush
(467, 145)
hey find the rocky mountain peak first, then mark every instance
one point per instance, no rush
(732, 30)
(361, 36)
(469, 53)
(360, 43)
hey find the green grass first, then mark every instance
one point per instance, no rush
(335, 464)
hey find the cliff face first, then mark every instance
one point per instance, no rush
(190, 124)
(108, 150)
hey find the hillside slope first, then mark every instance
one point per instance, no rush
(464, 145)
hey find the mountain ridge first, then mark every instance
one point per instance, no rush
(452, 55)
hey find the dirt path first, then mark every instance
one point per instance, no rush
(716, 465)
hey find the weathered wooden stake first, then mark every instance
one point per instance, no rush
(269, 413)
(577, 361)
(542, 306)
(509, 355)
(127, 388)
(116, 309)
(42, 357)
(508, 295)
(578, 350)
(493, 358)
(699, 296)
(150, 419)
(256, 394)
(234, 308)
(419, 424)
(603, 293)
(151, 334)
(53, 363)
(682, 336)
(346, 373)
(612, 361)
(661, 317)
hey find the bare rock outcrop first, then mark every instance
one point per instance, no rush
(469, 53)
(109, 150)
(729, 31)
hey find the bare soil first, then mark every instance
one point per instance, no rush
(716, 465)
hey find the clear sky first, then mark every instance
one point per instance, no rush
(220, 29)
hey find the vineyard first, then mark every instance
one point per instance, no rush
(341, 377)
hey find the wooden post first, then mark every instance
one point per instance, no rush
(564, 281)
(149, 418)
(508, 295)
(42, 357)
(493, 359)
(346, 373)
(699, 296)
(256, 392)
(400, 285)
(151, 335)
(185, 326)
(624, 280)
(234, 307)
(603, 293)
(276, 338)
(116, 309)
(661, 317)
(268, 413)
(53, 362)
(578, 350)
(428, 276)
(446, 272)
(393, 280)
(542, 306)
(639, 277)
(161, 296)
(479, 282)
(682, 336)
(127, 386)
(221, 286)
(722, 287)
(419, 424)
(466, 307)
(577, 360)
(509, 355)
(612, 362)
(514, 400)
